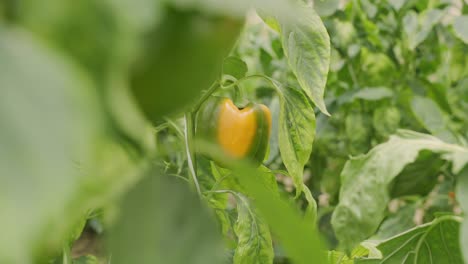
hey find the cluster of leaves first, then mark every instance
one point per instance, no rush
(99, 106)
(394, 65)
(92, 102)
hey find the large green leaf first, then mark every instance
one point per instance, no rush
(162, 221)
(435, 242)
(306, 44)
(296, 133)
(254, 240)
(366, 179)
(52, 140)
(50, 124)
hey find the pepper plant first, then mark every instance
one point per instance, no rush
(265, 131)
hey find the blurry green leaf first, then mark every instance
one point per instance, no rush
(162, 221)
(296, 133)
(50, 126)
(234, 67)
(296, 235)
(397, 4)
(432, 118)
(377, 70)
(181, 57)
(89, 31)
(460, 25)
(462, 198)
(326, 7)
(418, 26)
(306, 44)
(373, 93)
(386, 120)
(435, 242)
(358, 131)
(365, 181)
(86, 260)
(254, 239)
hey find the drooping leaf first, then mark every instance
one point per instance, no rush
(306, 44)
(366, 180)
(297, 236)
(254, 240)
(460, 25)
(435, 242)
(296, 133)
(162, 221)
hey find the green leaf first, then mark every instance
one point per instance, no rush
(435, 242)
(397, 4)
(373, 93)
(162, 221)
(429, 114)
(180, 58)
(377, 69)
(366, 180)
(50, 123)
(462, 198)
(397, 223)
(254, 240)
(86, 260)
(296, 133)
(418, 178)
(306, 44)
(386, 120)
(418, 26)
(326, 7)
(72, 27)
(234, 67)
(460, 25)
(297, 236)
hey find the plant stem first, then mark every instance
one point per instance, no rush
(191, 158)
(205, 96)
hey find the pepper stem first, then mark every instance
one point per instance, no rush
(191, 157)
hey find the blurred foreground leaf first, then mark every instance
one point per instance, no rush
(180, 58)
(162, 221)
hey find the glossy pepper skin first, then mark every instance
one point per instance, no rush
(241, 133)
